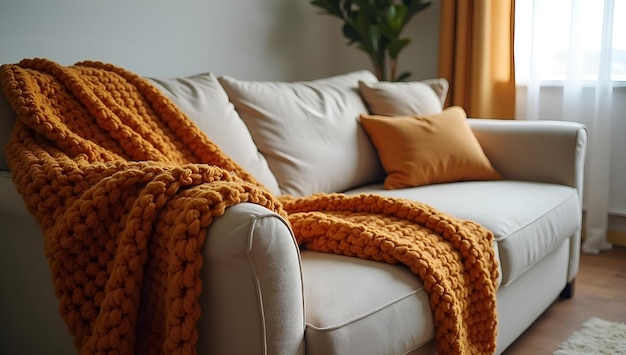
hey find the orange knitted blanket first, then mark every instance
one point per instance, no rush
(124, 186)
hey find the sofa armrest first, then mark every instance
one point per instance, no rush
(541, 151)
(252, 300)
(30, 322)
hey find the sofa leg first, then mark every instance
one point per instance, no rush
(568, 291)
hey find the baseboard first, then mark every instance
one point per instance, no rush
(617, 237)
(613, 236)
(617, 229)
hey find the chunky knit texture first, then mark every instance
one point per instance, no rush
(453, 257)
(124, 186)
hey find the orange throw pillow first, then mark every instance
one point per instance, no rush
(422, 150)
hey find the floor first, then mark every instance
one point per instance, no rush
(600, 291)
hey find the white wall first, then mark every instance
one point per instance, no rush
(247, 39)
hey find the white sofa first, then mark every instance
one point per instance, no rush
(269, 297)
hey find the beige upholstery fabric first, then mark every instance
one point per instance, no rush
(29, 312)
(522, 302)
(405, 98)
(360, 307)
(528, 224)
(542, 151)
(7, 120)
(202, 98)
(309, 131)
(249, 310)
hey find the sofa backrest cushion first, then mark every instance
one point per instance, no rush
(204, 101)
(309, 131)
(425, 97)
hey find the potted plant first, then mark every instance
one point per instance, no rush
(375, 26)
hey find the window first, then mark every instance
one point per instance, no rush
(543, 49)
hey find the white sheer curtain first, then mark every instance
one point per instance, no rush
(564, 52)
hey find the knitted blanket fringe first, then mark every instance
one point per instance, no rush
(124, 185)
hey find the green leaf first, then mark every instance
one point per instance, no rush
(351, 34)
(396, 17)
(415, 6)
(396, 46)
(374, 26)
(403, 76)
(330, 7)
(373, 34)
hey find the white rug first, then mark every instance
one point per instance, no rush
(597, 336)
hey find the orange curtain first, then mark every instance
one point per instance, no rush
(476, 56)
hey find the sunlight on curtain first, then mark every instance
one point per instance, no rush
(476, 56)
(577, 46)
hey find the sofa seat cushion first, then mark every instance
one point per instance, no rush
(529, 220)
(356, 306)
